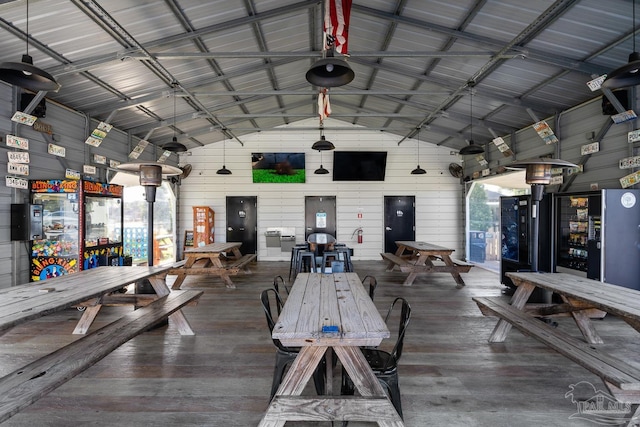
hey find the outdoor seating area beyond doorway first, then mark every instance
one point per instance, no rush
(449, 374)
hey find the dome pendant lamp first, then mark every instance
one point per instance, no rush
(330, 72)
(224, 170)
(418, 170)
(25, 75)
(174, 146)
(322, 144)
(321, 170)
(629, 74)
(472, 148)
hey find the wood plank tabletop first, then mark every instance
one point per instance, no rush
(613, 299)
(214, 247)
(339, 299)
(423, 246)
(26, 302)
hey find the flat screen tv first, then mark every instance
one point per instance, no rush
(359, 165)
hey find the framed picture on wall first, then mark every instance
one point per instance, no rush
(278, 168)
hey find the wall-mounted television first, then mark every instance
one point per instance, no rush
(359, 165)
(280, 168)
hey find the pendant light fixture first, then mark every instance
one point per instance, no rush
(322, 144)
(174, 146)
(321, 170)
(330, 72)
(418, 170)
(628, 74)
(224, 170)
(25, 75)
(472, 148)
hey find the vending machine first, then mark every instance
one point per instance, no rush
(598, 235)
(516, 216)
(82, 227)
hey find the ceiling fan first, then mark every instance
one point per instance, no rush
(186, 170)
(456, 170)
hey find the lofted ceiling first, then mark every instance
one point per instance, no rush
(211, 70)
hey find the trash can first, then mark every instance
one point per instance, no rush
(477, 246)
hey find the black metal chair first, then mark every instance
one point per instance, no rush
(373, 284)
(385, 364)
(277, 282)
(286, 355)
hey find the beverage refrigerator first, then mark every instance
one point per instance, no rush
(82, 227)
(598, 235)
(516, 216)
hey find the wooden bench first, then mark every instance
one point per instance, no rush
(395, 259)
(24, 386)
(622, 379)
(204, 266)
(462, 266)
(241, 262)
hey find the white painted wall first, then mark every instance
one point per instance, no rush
(439, 196)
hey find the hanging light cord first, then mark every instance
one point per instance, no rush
(634, 25)
(174, 110)
(471, 113)
(27, 27)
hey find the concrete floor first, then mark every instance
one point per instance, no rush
(449, 374)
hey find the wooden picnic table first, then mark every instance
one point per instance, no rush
(417, 258)
(330, 300)
(220, 259)
(91, 289)
(582, 299)
(88, 288)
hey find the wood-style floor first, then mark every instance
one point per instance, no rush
(449, 374)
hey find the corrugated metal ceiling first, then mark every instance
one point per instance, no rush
(240, 65)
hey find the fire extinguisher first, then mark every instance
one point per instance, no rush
(358, 231)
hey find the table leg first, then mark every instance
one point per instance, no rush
(584, 323)
(422, 261)
(179, 320)
(183, 273)
(87, 319)
(368, 385)
(292, 384)
(518, 300)
(454, 272)
(391, 265)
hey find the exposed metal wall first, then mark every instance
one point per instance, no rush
(70, 130)
(574, 128)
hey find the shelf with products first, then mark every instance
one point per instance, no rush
(573, 227)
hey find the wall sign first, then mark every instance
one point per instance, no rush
(321, 220)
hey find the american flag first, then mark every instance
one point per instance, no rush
(336, 24)
(324, 108)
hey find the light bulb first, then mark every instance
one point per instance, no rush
(329, 67)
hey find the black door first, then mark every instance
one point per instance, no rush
(320, 215)
(399, 220)
(242, 222)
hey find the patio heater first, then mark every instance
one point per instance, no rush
(538, 174)
(151, 174)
